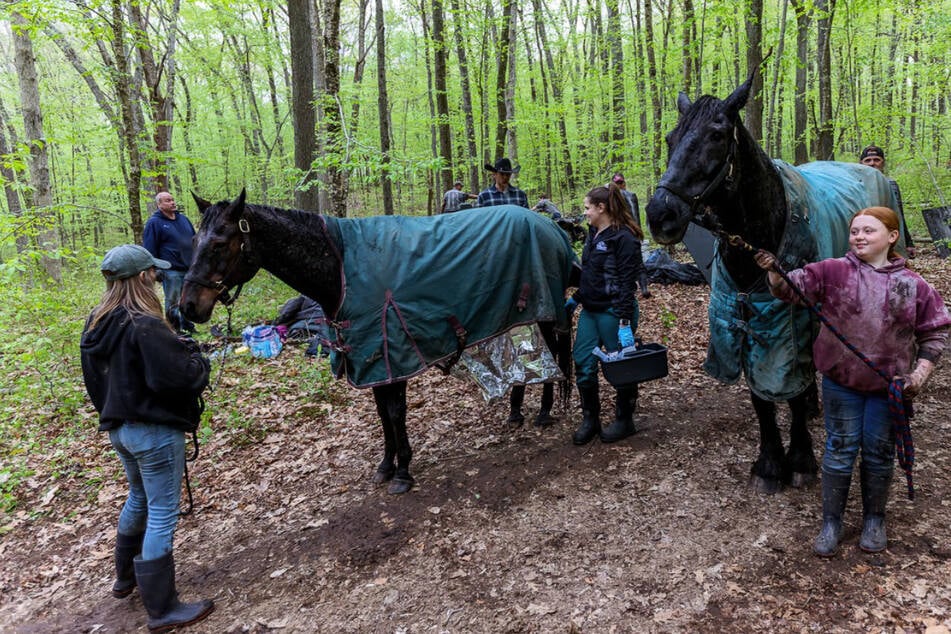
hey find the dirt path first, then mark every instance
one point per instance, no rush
(509, 531)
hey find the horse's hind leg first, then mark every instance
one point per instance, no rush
(800, 464)
(516, 398)
(391, 404)
(544, 418)
(766, 474)
(387, 467)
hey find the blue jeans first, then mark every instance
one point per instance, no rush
(154, 460)
(172, 282)
(596, 330)
(856, 420)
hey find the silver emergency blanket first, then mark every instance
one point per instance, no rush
(516, 357)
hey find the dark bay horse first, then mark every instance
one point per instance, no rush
(402, 294)
(718, 177)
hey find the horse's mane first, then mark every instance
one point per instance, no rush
(295, 216)
(703, 109)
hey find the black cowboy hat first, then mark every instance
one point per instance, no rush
(502, 166)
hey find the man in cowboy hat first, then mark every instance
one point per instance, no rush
(874, 157)
(501, 192)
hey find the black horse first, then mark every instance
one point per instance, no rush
(718, 177)
(388, 328)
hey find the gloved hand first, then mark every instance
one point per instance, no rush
(625, 336)
(570, 306)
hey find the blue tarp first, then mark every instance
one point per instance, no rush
(408, 281)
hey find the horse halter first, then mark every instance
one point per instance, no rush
(223, 289)
(725, 174)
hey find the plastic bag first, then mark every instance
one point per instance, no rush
(264, 342)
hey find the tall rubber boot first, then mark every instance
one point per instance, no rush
(835, 493)
(625, 400)
(156, 579)
(874, 496)
(127, 548)
(591, 415)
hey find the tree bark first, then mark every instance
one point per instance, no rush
(557, 96)
(654, 91)
(442, 96)
(42, 199)
(754, 59)
(302, 103)
(618, 112)
(383, 107)
(800, 110)
(466, 97)
(502, 46)
(11, 177)
(825, 142)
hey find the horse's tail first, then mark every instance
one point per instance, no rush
(565, 362)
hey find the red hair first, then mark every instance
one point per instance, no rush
(887, 217)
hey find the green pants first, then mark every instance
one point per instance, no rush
(596, 330)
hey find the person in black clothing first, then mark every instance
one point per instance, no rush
(631, 198)
(874, 157)
(609, 315)
(145, 382)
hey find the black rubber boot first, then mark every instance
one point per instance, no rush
(127, 548)
(874, 496)
(835, 493)
(591, 415)
(625, 401)
(156, 579)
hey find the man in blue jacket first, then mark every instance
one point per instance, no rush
(168, 236)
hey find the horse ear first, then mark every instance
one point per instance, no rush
(201, 202)
(236, 208)
(736, 101)
(683, 103)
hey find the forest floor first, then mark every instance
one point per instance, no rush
(507, 530)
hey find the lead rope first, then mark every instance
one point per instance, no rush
(899, 409)
(201, 408)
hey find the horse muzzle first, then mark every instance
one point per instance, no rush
(667, 217)
(197, 303)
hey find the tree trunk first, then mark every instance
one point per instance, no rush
(333, 135)
(556, 94)
(11, 178)
(302, 103)
(825, 148)
(383, 107)
(442, 96)
(502, 45)
(123, 83)
(25, 62)
(511, 139)
(754, 59)
(618, 114)
(654, 89)
(466, 97)
(800, 118)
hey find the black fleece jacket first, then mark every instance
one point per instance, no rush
(610, 262)
(137, 369)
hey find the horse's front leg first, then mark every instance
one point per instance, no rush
(391, 405)
(800, 464)
(766, 474)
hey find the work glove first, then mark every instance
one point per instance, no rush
(625, 336)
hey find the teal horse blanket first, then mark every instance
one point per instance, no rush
(755, 334)
(417, 290)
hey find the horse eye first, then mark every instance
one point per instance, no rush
(716, 135)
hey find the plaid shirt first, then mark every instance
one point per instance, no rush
(511, 196)
(453, 199)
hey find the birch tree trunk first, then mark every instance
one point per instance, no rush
(24, 60)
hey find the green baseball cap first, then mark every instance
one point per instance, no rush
(127, 260)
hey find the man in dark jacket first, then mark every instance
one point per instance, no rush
(168, 236)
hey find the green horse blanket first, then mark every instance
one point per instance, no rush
(418, 290)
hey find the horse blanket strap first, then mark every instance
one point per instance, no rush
(461, 336)
(405, 276)
(777, 361)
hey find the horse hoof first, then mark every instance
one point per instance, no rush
(764, 485)
(516, 420)
(802, 480)
(544, 420)
(400, 486)
(383, 475)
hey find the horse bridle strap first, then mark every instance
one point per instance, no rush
(219, 285)
(725, 174)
